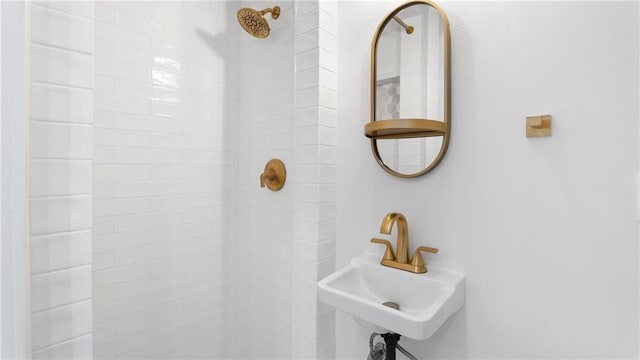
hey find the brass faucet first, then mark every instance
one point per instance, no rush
(401, 260)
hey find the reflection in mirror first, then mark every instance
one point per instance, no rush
(410, 67)
(409, 156)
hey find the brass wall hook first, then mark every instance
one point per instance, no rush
(538, 126)
(274, 175)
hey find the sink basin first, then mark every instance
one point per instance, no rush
(425, 300)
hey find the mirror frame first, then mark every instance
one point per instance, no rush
(447, 91)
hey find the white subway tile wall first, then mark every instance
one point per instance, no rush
(144, 161)
(162, 148)
(315, 141)
(148, 130)
(60, 152)
(262, 275)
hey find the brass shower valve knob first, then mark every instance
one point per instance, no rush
(274, 175)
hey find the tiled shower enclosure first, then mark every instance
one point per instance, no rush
(149, 126)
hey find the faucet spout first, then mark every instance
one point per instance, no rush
(402, 244)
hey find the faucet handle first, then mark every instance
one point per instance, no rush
(388, 254)
(267, 176)
(416, 259)
(274, 175)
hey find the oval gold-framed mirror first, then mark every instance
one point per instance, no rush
(410, 124)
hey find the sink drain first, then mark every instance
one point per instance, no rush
(391, 304)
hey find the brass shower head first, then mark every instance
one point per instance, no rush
(253, 21)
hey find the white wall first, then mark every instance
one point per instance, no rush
(60, 126)
(2, 338)
(15, 273)
(543, 228)
(162, 145)
(1, 198)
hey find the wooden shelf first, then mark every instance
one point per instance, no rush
(404, 128)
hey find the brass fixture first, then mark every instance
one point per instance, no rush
(538, 126)
(400, 260)
(402, 243)
(274, 175)
(407, 28)
(253, 21)
(392, 119)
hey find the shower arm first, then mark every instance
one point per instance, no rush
(408, 28)
(275, 12)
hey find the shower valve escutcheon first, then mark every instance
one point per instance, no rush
(400, 259)
(274, 175)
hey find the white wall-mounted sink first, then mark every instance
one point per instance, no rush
(425, 300)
